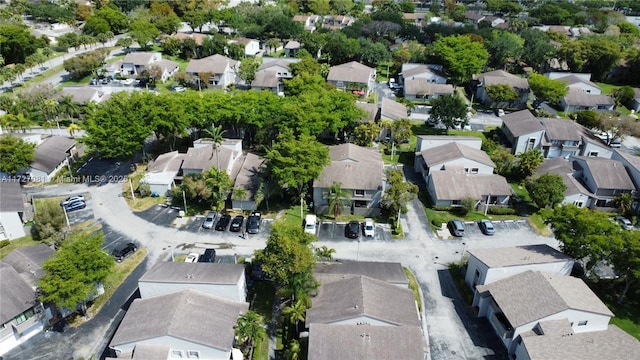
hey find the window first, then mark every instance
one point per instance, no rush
(578, 204)
(24, 316)
(593, 154)
(474, 170)
(193, 354)
(582, 323)
(358, 193)
(176, 354)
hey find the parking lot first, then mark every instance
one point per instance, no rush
(114, 239)
(472, 229)
(335, 231)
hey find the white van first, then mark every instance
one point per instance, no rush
(310, 224)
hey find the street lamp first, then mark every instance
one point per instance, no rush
(172, 258)
(66, 217)
(358, 251)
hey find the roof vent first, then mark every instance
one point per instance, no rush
(355, 306)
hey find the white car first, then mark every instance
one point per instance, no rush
(369, 228)
(192, 258)
(310, 224)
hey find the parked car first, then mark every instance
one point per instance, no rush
(236, 223)
(486, 227)
(192, 257)
(124, 251)
(310, 224)
(71, 199)
(352, 230)
(624, 222)
(209, 256)
(369, 228)
(253, 223)
(210, 220)
(223, 223)
(75, 205)
(456, 227)
(179, 89)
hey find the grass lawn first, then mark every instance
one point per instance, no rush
(19, 243)
(413, 285)
(628, 313)
(139, 203)
(458, 280)
(538, 225)
(261, 296)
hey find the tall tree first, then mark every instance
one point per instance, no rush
(625, 258)
(501, 94)
(539, 49)
(461, 57)
(337, 198)
(249, 329)
(546, 190)
(505, 47)
(72, 273)
(248, 68)
(450, 110)
(624, 203)
(528, 162)
(216, 135)
(546, 89)
(295, 313)
(143, 32)
(399, 194)
(16, 154)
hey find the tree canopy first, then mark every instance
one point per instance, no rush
(546, 190)
(16, 154)
(450, 110)
(461, 57)
(546, 89)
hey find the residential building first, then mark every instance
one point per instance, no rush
(562, 137)
(576, 192)
(635, 102)
(199, 159)
(605, 178)
(518, 304)
(348, 163)
(390, 272)
(291, 48)
(425, 142)
(422, 89)
(226, 281)
(337, 22)
(365, 342)
(415, 18)
(455, 156)
(523, 131)
(581, 81)
(392, 110)
(215, 71)
(21, 314)
(27, 262)
(247, 182)
(501, 77)
(577, 100)
(309, 21)
(432, 73)
(354, 77)
(197, 37)
(82, 94)
(190, 323)
(372, 112)
(473, 17)
(631, 163)
(162, 172)
(489, 265)
(271, 73)
(11, 210)
(556, 340)
(251, 46)
(135, 63)
(451, 188)
(50, 157)
(167, 69)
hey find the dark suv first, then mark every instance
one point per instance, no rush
(124, 251)
(209, 256)
(253, 223)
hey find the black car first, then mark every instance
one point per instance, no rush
(253, 223)
(236, 223)
(352, 230)
(209, 256)
(223, 222)
(124, 251)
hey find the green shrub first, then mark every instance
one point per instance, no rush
(502, 211)
(437, 222)
(4, 243)
(460, 211)
(442, 208)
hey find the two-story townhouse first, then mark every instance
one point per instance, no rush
(501, 77)
(432, 73)
(632, 164)
(348, 163)
(271, 73)
(562, 138)
(251, 47)
(337, 22)
(215, 71)
(135, 63)
(354, 77)
(576, 193)
(309, 22)
(523, 131)
(12, 210)
(603, 177)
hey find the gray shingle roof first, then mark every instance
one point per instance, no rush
(170, 162)
(519, 255)
(138, 58)
(607, 174)
(632, 160)
(348, 163)
(521, 123)
(370, 109)
(502, 77)
(16, 296)
(390, 272)
(422, 87)
(577, 97)
(561, 129)
(453, 151)
(353, 72)
(573, 79)
(167, 65)
(188, 315)
(365, 342)
(610, 344)
(11, 197)
(266, 79)
(151, 352)
(214, 64)
(345, 297)
(564, 168)
(79, 94)
(51, 152)
(534, 295)
(201, 273)
(419, 69)
(451, 185)
(393, 110)
(249, 175)
(28, 261)
(292, 44)
(203, 158)
(198, 38)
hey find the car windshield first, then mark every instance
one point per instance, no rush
(310, 226)
(369, 227)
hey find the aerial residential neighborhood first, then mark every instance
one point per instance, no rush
(356, 179)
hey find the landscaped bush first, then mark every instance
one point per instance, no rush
(501, 211)
(437, 222)
(4, 243)
(442, 208)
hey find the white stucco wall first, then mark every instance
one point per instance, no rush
(463, 164)
(489, 275)
(520, 143)
(205, 352)
(9, 339)
(603, 152)
(235, 292)
(12, 225)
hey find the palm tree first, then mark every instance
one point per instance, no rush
(325, 253)
(299, 287)
(214, 133)
(47, 52)
(248, 329)
(337, 198)
(293, 350)
(50, 110)
(266, 190)
(624, 203)
(295, 313)
(73, 128)
(68, 107)
(239, 194)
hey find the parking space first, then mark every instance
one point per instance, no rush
(113, 239)
(162, 215)
(502, 228)
(333, 231)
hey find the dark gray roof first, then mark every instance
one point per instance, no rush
(422, 87)
(573, 79)
(519, 255)
(522, 123)
(151, 352)
(11, 197)
(365, 342)
(502, 77)
(204, 157)
(351, 72)
(51, 152)
(561, 129)
(564, 168)
(370, 109)
(348, 163)
(610, 344)
(201, 273)
(346, 297)
(534, 295)
(266, 79)
(139, 58)
(607, 174)
(16, 296)
(632, 160)
(80, 94)
(28, 261)
(390, 272)
(453, 151)
(453, 185)
(577, 97)
(188, 315)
